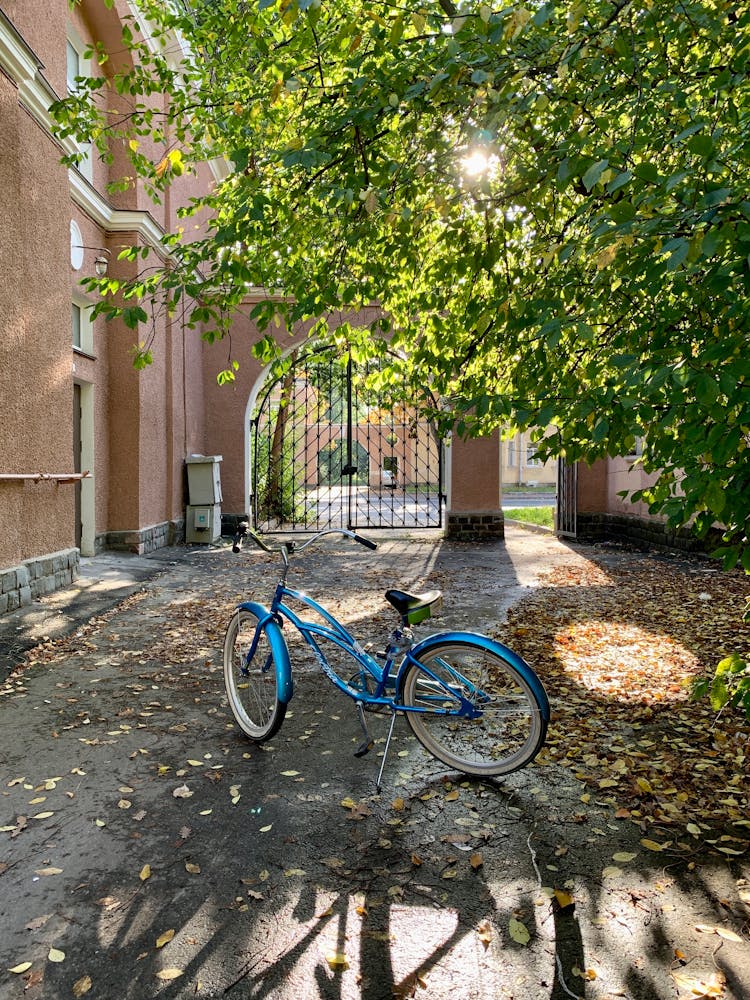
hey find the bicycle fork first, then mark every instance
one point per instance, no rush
(369, 742)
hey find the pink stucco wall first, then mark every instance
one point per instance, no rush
(476, 471)
(143, 424)
(35, 355)
(626, 475)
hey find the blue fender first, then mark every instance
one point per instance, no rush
(476, 639)
(284, 683)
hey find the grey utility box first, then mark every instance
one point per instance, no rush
(203, 521)
(204, 479)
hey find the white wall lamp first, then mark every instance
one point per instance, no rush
(101, 262)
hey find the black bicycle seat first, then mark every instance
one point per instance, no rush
(407, 604)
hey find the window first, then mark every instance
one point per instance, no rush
(532, 459)
(76, 325)
(82, 329)
(77, 67)
(512, 451)
(637, 451)
(74, 66)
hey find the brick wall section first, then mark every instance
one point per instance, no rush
(475, 527)
(641, 531)
(34, 578)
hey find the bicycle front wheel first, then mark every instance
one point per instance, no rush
(251, 683)
(508, 726)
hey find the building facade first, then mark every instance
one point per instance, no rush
(92, 454)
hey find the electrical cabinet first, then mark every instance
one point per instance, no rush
(203, 520)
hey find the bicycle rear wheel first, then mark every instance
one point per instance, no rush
(510, 724)
(251, 685)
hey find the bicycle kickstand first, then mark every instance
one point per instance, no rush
(385, 752)
(369, 742)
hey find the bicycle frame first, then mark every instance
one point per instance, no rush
(333, 631)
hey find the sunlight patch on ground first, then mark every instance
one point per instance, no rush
(641, 664)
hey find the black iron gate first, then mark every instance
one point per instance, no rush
(327, 451)
(567, 499)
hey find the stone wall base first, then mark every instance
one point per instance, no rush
(475, 526)
(143, 540)
(641, 531)
(20, 585)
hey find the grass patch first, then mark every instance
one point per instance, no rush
(544, 516)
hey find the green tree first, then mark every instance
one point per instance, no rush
(549, 201)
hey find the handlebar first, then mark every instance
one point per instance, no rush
(286, 548)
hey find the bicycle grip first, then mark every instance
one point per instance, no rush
(365, 541)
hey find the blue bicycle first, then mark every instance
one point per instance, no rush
(470, 701)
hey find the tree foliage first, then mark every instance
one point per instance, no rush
(548, 200)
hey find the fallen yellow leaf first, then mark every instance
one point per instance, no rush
(164, 938)
(713, 987)
(145, 873)
(337, 960)
(18, 969)
(82, 986)
(723, 932)
(55, 955)
(564, 898)
(167, 974)
(652, 845)
(728, 935)
(485, 933)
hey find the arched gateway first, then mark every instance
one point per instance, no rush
(329, 451)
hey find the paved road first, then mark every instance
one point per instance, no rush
(511, 500)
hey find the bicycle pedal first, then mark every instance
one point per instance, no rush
(364, 748)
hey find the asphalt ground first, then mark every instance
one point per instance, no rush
(147, 849)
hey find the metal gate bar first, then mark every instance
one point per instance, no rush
(330, 452)
(567, 499)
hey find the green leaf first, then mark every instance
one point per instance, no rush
(594, 173)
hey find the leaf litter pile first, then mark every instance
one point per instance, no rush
(618, 648)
